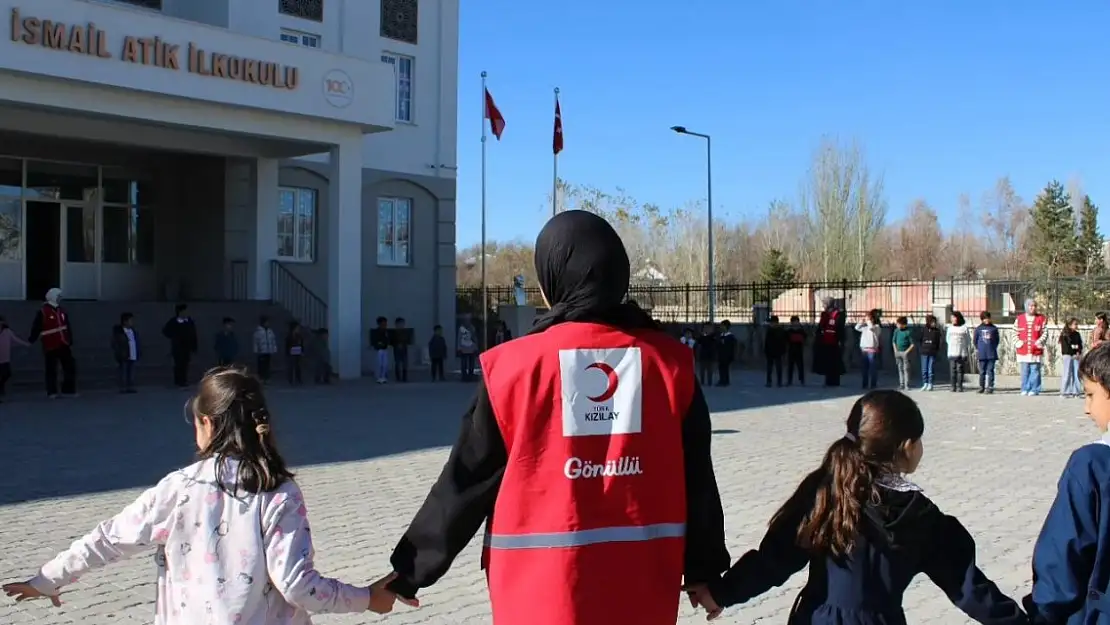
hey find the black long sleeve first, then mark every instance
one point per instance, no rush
(461, 499)
(706, 554)
(36, 328)
(950, 563)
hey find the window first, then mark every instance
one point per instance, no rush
(80, 234)
(127, 236)
(394, 220)
(297, 38)
(304, 9)
(155, 5)
(296, 224)
(399, 20)
(402, 73)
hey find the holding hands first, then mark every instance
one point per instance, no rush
(700, 597)
(382, 599)
(23, 591)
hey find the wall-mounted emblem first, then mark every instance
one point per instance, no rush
(339, 89)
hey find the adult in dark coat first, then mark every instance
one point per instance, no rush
(828, 344)
(181, 330)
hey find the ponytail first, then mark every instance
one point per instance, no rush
(828, 506)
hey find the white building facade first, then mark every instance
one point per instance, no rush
(297, 151)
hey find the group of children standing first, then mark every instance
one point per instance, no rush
(713, 350)
(395, 343)
(181, 331)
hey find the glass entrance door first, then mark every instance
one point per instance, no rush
(80, 274)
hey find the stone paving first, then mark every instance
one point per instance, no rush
(366, 455)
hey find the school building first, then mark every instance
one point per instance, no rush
(298, 154)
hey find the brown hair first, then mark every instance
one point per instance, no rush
(829, 502)
(241, 430)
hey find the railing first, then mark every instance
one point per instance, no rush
(1060, 298)
(238, 280)
(290, 293)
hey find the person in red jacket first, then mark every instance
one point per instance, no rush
(588, 449)
(51, 324)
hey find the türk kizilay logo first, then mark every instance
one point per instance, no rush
(339, 89)
(601, 391)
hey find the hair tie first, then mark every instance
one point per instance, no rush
(260, 415)
(851, 437)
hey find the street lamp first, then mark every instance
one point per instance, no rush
(709, 184)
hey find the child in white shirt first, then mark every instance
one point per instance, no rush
(230, 532)
(958, 337)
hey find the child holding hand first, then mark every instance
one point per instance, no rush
(230, 532)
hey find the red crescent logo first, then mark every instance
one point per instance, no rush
(611, 387)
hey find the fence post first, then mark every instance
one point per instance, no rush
(687, 290)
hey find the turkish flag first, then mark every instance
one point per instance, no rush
(557, 139)
(496, 120)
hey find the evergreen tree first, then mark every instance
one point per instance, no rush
(1054, 245)
(1090, 241)
(776, 270)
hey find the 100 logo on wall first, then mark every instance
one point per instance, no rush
(339, 89)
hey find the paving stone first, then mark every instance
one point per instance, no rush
(365, 456)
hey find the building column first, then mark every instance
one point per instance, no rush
(344, 218)
(265, 227)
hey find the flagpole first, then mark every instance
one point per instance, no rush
(555, 170)
(485, 287)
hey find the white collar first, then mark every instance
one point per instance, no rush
(893, 481)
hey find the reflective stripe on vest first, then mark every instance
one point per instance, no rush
(53, 331)
(582, 538)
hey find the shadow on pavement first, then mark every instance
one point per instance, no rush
(103, 441)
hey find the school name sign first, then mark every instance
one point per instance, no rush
(88, 40)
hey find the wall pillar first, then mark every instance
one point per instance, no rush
(344, 257)
(265, 227)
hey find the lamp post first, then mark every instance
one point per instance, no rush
(709, 211)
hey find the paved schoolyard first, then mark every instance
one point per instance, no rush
(366, 454)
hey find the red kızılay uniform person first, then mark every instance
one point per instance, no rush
(587, 448)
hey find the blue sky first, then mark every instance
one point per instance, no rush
(945, 96)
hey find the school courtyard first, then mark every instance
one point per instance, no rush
(366, 455)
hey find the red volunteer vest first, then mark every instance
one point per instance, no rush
(589, 523)
(827, 326)
(1030, 334)
(55, 322)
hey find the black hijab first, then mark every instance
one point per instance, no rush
(584, 272)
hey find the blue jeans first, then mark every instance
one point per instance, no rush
(1030, 377)
(1069, 376)
(986, 373)
(383, 364)
(927, 363)
(869, 368)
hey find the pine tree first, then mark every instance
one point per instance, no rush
(775, 270)
(1090, 241)
(1054, 244)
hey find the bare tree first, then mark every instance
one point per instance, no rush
(845, 209)
(1006, 220)
(919, 242)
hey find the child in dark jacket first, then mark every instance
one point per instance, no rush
(399, 338)
(774, 348)
(930, 347)
(379, 342)
(707, 354)
(726, 353)
(863, 551)
(125, 349)
(437, 352)
(986, 349)
(1071, 558)
(795, 348)
(227, 344)
(321, 357)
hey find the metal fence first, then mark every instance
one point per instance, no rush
(1060, 299)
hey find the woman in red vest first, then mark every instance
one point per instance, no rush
(51, 325)
(587, 449)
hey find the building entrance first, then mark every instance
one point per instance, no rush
(44, 248)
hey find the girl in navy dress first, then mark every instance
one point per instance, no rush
(1071, 560)
(865, 532)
